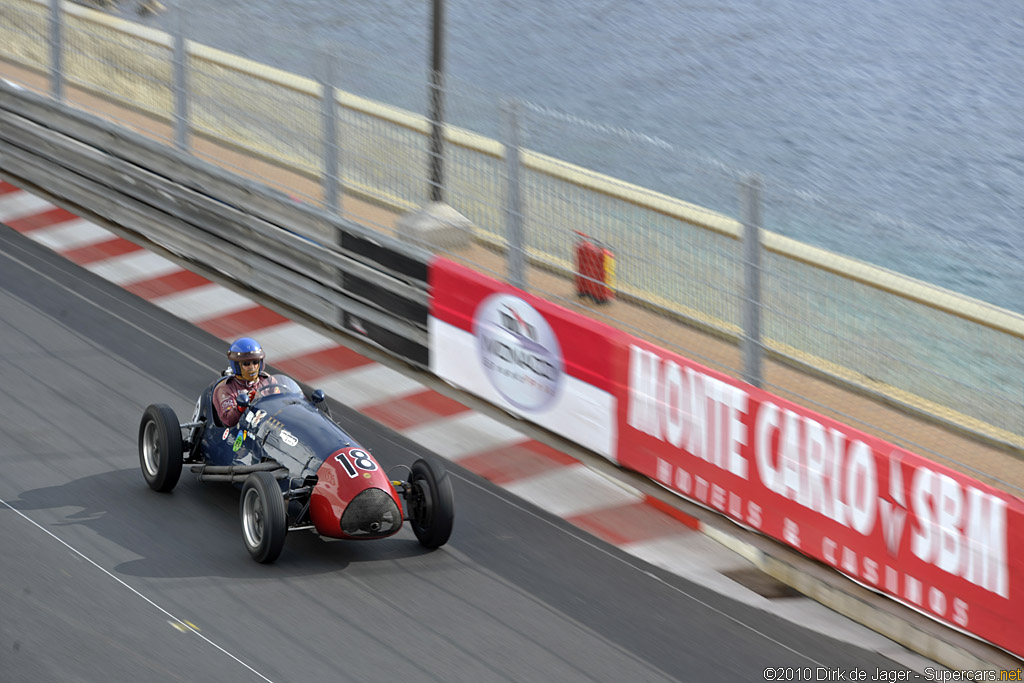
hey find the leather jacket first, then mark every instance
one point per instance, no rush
(225, 396)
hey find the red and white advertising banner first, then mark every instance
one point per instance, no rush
(525, 354)
(923, 533)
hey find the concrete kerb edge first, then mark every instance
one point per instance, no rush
(947, 646)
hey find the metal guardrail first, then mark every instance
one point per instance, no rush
(839, 316)
(343, 275)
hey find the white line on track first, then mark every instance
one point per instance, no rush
(166, 613)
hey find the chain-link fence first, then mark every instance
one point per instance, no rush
(529, 177)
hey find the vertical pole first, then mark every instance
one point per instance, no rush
(56, 51)
(181, 104)
(329, 124)
(751, 348)
(437, 102)
(513, 200)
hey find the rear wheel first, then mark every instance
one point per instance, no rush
(264, 523)
(160, 447)
(431, 503)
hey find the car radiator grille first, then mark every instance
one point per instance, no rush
(372, 513)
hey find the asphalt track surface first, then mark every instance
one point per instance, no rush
(106, 580)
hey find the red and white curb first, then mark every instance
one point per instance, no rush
(615, 512)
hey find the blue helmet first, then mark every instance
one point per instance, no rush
(244, 349)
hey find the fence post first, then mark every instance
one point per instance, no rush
(436, 115)
(329, 125)
(750, 343)
(181, 94)
(56, 51)
(513, 199)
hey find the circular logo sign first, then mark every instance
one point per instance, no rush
(519, 351)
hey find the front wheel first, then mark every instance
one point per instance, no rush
(431, 503)
(160, 448)
(264, 525)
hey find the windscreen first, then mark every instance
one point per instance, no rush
(285, 385)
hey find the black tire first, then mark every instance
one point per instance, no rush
(264, 524)
(160, 448)
(431, 503)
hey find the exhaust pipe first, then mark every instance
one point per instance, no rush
(268, 466)
(237, 474)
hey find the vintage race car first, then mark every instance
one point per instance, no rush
(297, 469)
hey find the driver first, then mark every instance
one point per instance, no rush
(246, 358)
